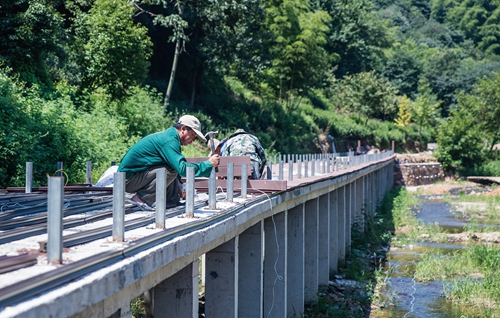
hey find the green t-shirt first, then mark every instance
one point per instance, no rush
(161, 149)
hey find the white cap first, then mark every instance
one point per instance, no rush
(193, 123)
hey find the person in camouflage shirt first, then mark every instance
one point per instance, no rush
(241, 143)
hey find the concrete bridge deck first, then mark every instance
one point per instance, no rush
(265, 258)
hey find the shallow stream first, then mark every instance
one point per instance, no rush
(410, 298)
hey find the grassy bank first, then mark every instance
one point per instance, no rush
(471, 280)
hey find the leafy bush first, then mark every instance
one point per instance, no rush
(47, 131)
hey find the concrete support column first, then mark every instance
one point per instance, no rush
(275, 253)
(295, 261)
(250, 269)
(379, 185)
(177, 296)
(349, 214)
(361, 203)
(311, 233)
(366, 194)
(334, 222)
(342, 222)
(220, 281)
(325, 234)
(390, 175)
(370, 187)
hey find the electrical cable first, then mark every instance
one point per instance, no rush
(278, 276)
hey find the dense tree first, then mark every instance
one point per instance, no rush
(368, 95)
(459, 140)
(472, 129)
(30, 34)
(115, 49)
(402, 70)
(357, 35)
(479, 21)
(298, 58)
(425, 108)
(217, 37)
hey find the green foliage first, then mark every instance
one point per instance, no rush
(460, 140)
(404, 114)
(402, 206)
(479, 22)
(425, 109)
(368, 95)
(30, 33)
(298, 57)
(357, 35)
(490, 168)
(115, 49)
(47, 131)
(402, 70)
(468, 137)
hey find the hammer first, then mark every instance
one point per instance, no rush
(210, 135)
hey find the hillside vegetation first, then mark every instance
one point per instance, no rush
(82, 80)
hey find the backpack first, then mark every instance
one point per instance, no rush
(245, 144)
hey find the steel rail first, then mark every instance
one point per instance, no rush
(31, 287)
(37, 219)
(68, 188)
(10, 263)
(105, 231)
(30, 198)
(41, 207)
(16, 234)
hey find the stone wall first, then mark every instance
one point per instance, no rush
(415, 170)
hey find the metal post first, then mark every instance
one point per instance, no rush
(290, 170)
(189, 192)
(299, 169)
(29, 177)
(313, 163)
(230, 182)
(280, 172)
(212, 191)
(269, 171)
(55, 199)
(59, 169)
(89, 172)
(306, 167)
(119, 206)
(161, 197)
(244, 176)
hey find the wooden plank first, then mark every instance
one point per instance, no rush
(253, 186)
(224, 161)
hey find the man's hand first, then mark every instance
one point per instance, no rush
(214, 160)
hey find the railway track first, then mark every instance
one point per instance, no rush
(27, 220)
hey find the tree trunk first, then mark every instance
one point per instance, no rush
(172, 76)
(166, 101)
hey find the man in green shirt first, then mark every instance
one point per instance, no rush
(163, 150)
